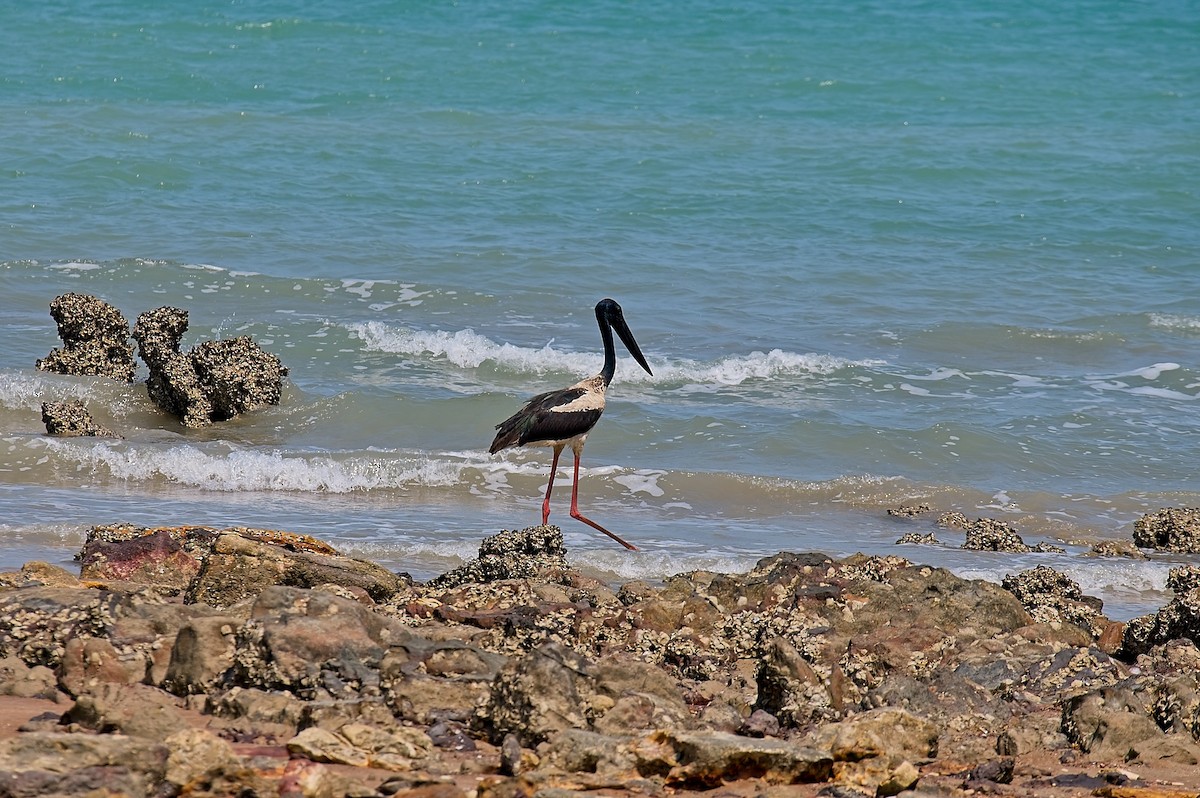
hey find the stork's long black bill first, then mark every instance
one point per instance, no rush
(618, 324)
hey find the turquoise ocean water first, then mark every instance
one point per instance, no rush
(876, 253)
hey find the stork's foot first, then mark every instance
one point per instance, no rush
(581, 517)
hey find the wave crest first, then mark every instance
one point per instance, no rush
(23, 391)
(468, 349)
(244, 470)
(1173, 321)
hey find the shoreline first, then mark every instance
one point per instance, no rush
(1130, 580)
(267, 472)
(516, 674)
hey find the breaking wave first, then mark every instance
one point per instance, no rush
(468, 349)
(251, 470)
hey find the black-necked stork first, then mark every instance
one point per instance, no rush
(563, 418)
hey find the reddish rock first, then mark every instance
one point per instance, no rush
(88, 662)
(155, 559)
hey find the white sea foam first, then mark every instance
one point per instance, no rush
(75, 266)
(1098, 576)
(642, 482)
(1173, 321)
(463, 348)
(737, 369)
(604, 561)
(468, 349)
(617, 565)
(1149, 372)
(1127, 586)
(1117, 382)
(240, 470)
(938, 375)
(1143, 390)
(253, 470)
(363, 288)
(1162, 393)
(20, 391)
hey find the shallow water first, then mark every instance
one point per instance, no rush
(875, 254)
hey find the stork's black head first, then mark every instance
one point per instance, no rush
(610, 316)
(608, 308)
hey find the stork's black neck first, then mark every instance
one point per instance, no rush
(610, 354)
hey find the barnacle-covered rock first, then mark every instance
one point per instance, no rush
(95, 339)
(512, 554)
(869, 675)
(214, 381)
(1180, 618)
(72, 419)
(552, 689)
(988, 534)
(1169, 529)
(1053, 597)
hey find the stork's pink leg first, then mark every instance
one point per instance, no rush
(575, 507)
(550, 485)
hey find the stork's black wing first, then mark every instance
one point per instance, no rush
(538, 420)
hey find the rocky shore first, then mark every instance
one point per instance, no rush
(213, 662)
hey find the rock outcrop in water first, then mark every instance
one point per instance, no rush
(95, 339)
(988, 534)
(982, 534)
(71, 419)
(1170, 529)
(214, 381)
(807, 676)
